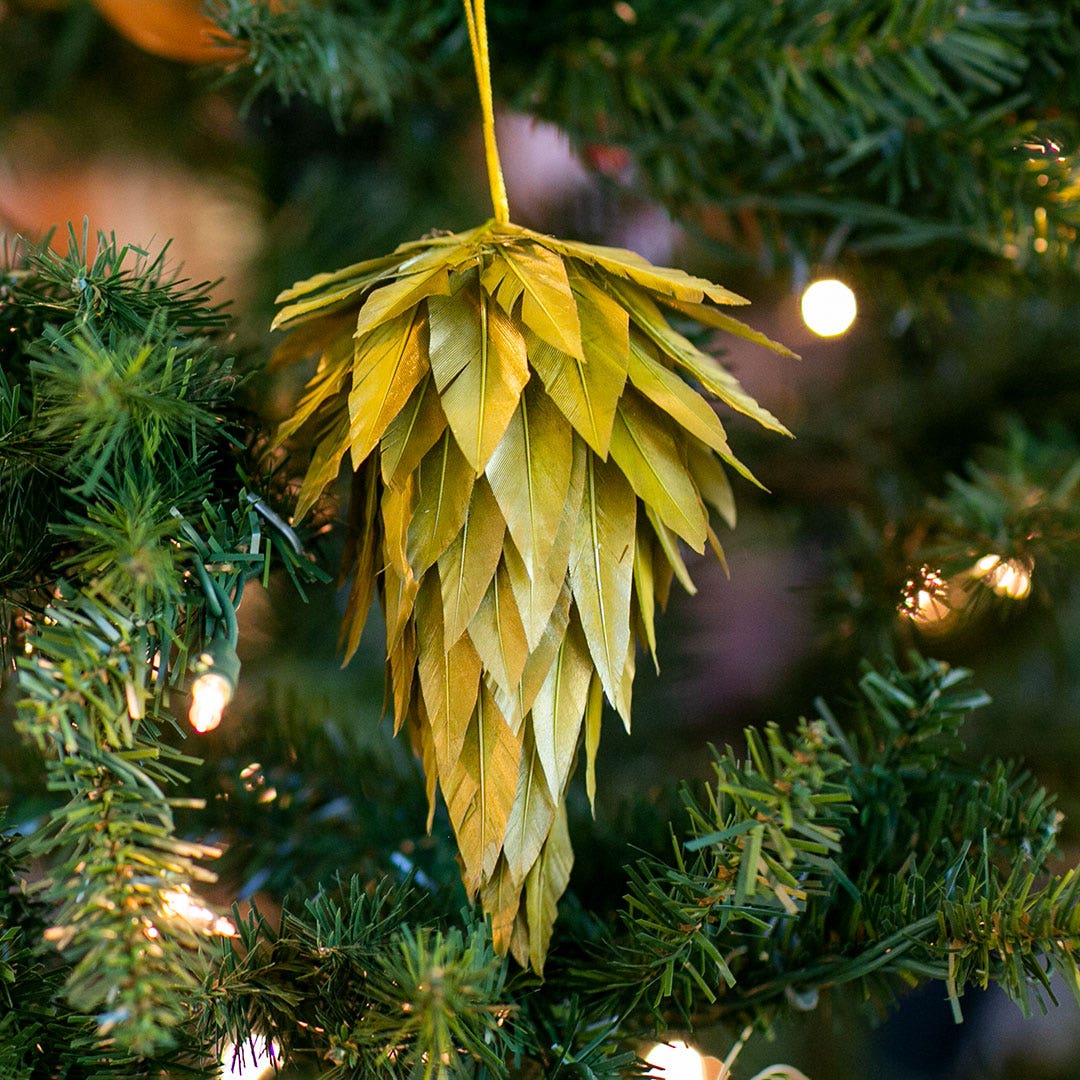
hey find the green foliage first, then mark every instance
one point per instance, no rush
(106, 361)
(117, 289)
(759, 845)
(352, 59)
(140, 554)
(1005, 527)
(352, 981)
(1018, 501)
(370, 981)
(879, 127)
(865, 853)
(128, 396)
(862, 853)
(40, 1035)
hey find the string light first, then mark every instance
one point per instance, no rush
(927, 600)
(1010, 578)
(181, 904)
(210, 693)
(828, 307)
(679, 1061)
(253, 1061)
(218, 670)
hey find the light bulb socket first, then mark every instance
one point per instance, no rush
(220, 659)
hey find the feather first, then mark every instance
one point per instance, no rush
(602, 568)
(449, 678)
(532, 813)
(327, 293)
(665, 280)
(529, 474)
(389, 362)
(711, 480)
(498, 635)
(467, 566)
(490, 755)
(669, 546)
(594, 712)
(444, 484)
(516, 703)
(399, 296)
(605, 325)
(585, 393)
(680, 401)
(544, 886)
(399, 584)
(548, 307)
(644, 588)
(401, 658)
(327, 384)
(412, 433)
(480, 400)
(500, 898)
(559, 706)
(719, 320)
(714, 378)
(325, 464)
(455, 333)
(538, 595)
(362, 543)
(646, 453)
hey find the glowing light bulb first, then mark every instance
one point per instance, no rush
(828, 307)
(210, 693)
(1010, 578)
(180, 904)
(679, 1061)
(930, 601)
(254, 1061)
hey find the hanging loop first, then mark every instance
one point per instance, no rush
(478, 41)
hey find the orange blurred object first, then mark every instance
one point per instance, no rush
(175, 29)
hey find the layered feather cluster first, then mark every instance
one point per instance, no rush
(529, 445)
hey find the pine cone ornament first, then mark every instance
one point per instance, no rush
(529, 446)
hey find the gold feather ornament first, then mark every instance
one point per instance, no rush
(528, 447)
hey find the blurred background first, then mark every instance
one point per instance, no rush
(961, 366)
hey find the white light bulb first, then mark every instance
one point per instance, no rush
(254, 1062)
(679, 1061)
(1007, 577)
(180, 904)
(210, 693)
(828, 307)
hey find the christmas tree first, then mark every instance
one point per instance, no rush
(553, 809)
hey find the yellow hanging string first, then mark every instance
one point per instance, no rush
(478, 41)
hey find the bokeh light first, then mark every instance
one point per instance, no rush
(210, 693)
(1010, 578)
(828, 307)
(678, 1061)
(253, 1061)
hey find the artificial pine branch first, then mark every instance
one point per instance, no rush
(1003, 532)
(1018, 500)
(908, 882)
(150, 538)
(890, 127)
(356, 981)
(352, 59)
(114, 287)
